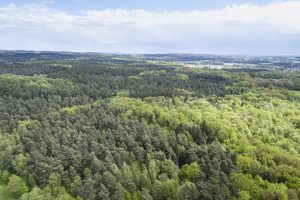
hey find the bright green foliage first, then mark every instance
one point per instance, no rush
(29, 86)
(73, 109)
(17, 186)
(152, 73)
(27, 124)
(243, 195)
(35, 194)
(190, 172)
(182, 76)
(4, 178)
(54, 186)
(20, 165)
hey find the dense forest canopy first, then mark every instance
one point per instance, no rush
(146, 127)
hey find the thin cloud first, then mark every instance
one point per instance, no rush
(246, 29)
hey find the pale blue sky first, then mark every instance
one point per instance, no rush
(77, 5)
(153, 26)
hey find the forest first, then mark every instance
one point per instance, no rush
(100, 126)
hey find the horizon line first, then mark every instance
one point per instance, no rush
(160, 53)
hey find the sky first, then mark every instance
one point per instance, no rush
(265, 27)
(75, 6)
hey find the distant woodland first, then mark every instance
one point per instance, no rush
(98, 127)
